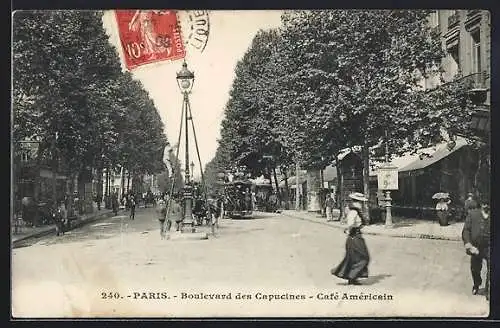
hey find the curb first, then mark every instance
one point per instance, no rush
(395, 235)
(77, 224)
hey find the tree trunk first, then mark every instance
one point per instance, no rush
(99, 182)
(366, 181)
(36, 188)
(54, 176)
(340, 189)
(128, 180)
(122, 183)
(106, 189)
(286, 194)
(297, 193)
(277, 186)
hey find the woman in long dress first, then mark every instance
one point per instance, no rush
(355, 263)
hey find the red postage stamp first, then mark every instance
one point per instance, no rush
(149, 36)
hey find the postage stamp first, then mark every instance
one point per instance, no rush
(149, 36)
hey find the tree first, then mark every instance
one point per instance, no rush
(69, 93)
(352, 74)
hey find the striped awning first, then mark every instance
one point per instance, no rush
(423, 158)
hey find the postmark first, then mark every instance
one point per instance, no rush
(195, 27)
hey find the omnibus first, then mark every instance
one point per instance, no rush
(239, 202)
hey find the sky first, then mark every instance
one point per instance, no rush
(231, 33)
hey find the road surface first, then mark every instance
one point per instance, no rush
(268, 266)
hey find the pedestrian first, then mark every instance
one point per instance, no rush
(99, 201)
(114, 202)
(476, 238)
(131, 204)
(61, 218)
(174, 215)
(355, 263)
(469, 204)
(442, 211)
(161, 213)
(329, 204)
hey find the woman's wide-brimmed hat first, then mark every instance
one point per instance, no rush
(358, 196)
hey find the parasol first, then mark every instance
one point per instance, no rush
(441, 195)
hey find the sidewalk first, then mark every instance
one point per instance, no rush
(402, 228)
(28, 232)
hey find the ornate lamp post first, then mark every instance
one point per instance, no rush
(192, 171)
(185, 81)
(387, 181)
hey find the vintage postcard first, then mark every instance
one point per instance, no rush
(254, 164)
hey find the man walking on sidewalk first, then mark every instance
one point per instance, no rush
(476, 237)
(330, 204)
(131, 203)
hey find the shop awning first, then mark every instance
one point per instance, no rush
(442, 151)
(423, 158)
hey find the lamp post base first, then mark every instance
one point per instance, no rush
(188, 227)
(388, 210)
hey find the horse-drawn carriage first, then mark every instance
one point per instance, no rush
(205, 209)
(239, 200)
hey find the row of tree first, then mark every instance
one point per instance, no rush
(71, 95)
(333, 79)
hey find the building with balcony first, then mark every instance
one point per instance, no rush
(457, 167)
(460, 166)
(466, 37)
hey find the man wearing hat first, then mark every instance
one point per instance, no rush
(476, 238)
(469, 204)
(355, 263)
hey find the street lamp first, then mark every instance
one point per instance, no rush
(185, 81)
(387, 180)
(192, 171)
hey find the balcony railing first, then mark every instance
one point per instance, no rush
(453, 20)
(478, 86)
(477, 81)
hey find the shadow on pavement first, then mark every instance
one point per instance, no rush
(371, 280)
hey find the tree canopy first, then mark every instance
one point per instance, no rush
(69, 91)
(327, 80)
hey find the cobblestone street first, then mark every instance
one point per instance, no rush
(121, 267)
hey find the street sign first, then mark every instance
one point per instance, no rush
(387, 178)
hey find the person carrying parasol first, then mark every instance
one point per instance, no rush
(442, 207)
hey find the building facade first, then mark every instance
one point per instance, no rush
(466, 37)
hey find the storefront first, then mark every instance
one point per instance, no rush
(442, 168)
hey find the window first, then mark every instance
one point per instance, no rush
(476, 51)
(454, 54)
(25, 156)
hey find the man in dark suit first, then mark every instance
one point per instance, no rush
(476, 237)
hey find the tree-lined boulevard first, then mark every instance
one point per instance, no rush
(326, 83)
